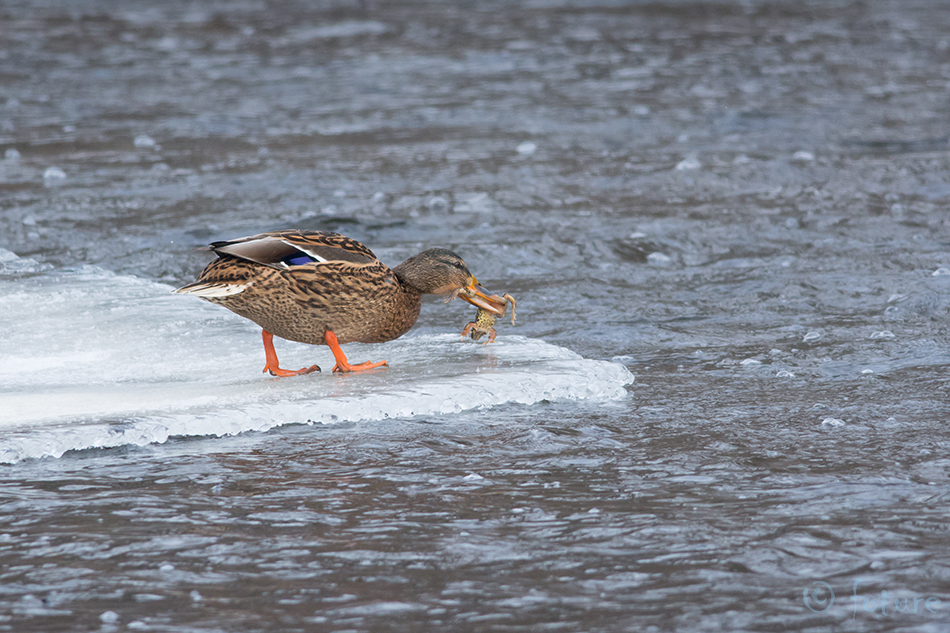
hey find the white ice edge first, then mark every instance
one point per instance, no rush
(96, 360)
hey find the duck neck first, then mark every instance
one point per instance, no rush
(407, 303)
(409, 279)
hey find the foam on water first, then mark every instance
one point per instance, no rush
(93, 359)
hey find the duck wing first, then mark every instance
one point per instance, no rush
(284, 249)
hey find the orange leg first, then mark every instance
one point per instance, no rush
(273, 366)
(342, 365)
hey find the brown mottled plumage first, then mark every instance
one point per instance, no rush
(325, 289)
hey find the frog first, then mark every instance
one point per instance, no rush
(485, 319)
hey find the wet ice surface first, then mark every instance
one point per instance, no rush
(742, 203)
(185, 376)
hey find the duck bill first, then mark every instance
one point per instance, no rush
(476, 295)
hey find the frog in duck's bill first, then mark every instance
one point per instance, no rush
(485, 317)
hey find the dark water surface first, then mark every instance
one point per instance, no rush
(743, 202)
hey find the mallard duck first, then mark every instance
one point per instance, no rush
(324, 288)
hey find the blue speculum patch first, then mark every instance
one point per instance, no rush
(298, 260)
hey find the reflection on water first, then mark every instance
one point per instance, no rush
(743, 203)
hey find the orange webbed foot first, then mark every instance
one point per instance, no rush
(343, 365)
(361, 367)
(284, 373)
(273, 366)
